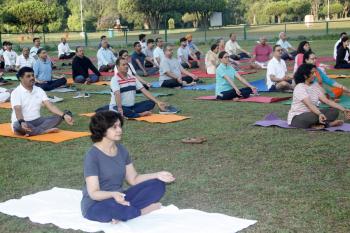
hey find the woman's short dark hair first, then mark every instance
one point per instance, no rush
(307, 56)
(101, 122)
(213, 47)
(121, 52)
(301, 47)
(222, 54)
(303, 71)
(345, 38)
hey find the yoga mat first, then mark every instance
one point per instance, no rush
(61, 207)
(11, 78)
(199, 87)
(6, 105)
(161, 118)
(273, 120)
(61, 136)
(155, 94)
(104, 92)
(241, 72)
(105, 74)
(333, 68)
(101, 83)
(335, 76)
(89, 114)
(325, 59)
(63, 90)
(202, 74)
(261, 85)
(254, 99)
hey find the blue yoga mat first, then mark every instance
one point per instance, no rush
(261, 85)
(199, 87)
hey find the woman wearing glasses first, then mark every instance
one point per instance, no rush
(336, 89)
(225, 87)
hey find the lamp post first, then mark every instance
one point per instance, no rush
(328, 11)
(81, 16)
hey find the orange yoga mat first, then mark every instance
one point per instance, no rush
(89, 114)
(6, 105)
(161, 118)
(61, 136)
(334, 76)
(101, 83)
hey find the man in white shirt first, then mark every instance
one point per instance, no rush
(64, 52)
(149, 54)
(235, 51)
(142, 40)
(158, 52)
(336, 47)
(34, 50)
(277, 78)
(4, 95)
(286, 47)
(2, 50)
(24, 59)
(184, 54)
(105, 58)
(10, 57)
(26, 102)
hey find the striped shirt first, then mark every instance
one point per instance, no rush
(127, 87)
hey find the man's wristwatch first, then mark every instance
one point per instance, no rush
(67, 112)
(20, 121)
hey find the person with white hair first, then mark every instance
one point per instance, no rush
(288, 51)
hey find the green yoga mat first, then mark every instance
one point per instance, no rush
(344, 101)
(156, 94)
(11, 78)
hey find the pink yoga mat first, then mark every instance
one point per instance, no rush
(254, 99)
(333, 68)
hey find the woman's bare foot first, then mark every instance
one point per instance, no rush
(115, 221)
(151, 208)
(147, 113)
(53, 130)
(317, 127)
(336, 123)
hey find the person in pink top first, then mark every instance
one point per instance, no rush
(262, 53)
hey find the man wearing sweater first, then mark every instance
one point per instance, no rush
(80, 68)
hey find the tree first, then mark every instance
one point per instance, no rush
(300, 8)
(30, 15)
(334, 9)
(277, 9)
(203, 9)
(153, 10)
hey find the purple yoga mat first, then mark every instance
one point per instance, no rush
(273, 120)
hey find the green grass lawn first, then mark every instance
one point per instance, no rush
(288, 180)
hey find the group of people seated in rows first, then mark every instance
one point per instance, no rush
(104, 198)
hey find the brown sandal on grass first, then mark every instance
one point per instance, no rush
(194, 140)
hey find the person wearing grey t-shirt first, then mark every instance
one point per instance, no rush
(107, 164)
(172, 74)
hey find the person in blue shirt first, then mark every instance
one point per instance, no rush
(336, 90)
(225, 87)
(138, 61)
(43, 73)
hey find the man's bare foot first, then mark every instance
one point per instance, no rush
(53, 130)
(336, 123)
(115, 221)
(147, 113)
(235, 99)
(317, 127)
(151, 208)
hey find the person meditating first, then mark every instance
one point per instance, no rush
(304, 112)
(225, 88)
(342, 51)
(80, 68)
(123, 94)
(106, 165)
(321, 78)
(211, 59)
(26, 102)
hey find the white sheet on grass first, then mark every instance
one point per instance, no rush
(61, 207)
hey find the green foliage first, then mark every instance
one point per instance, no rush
(334, 9)
(29, 15)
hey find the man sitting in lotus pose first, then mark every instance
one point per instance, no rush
(26, 101)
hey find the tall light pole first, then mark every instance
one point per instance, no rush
(328, 10)
(81, 16)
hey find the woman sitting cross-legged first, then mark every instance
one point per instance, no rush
(107, 164)
(304, 112)
(225, 88)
